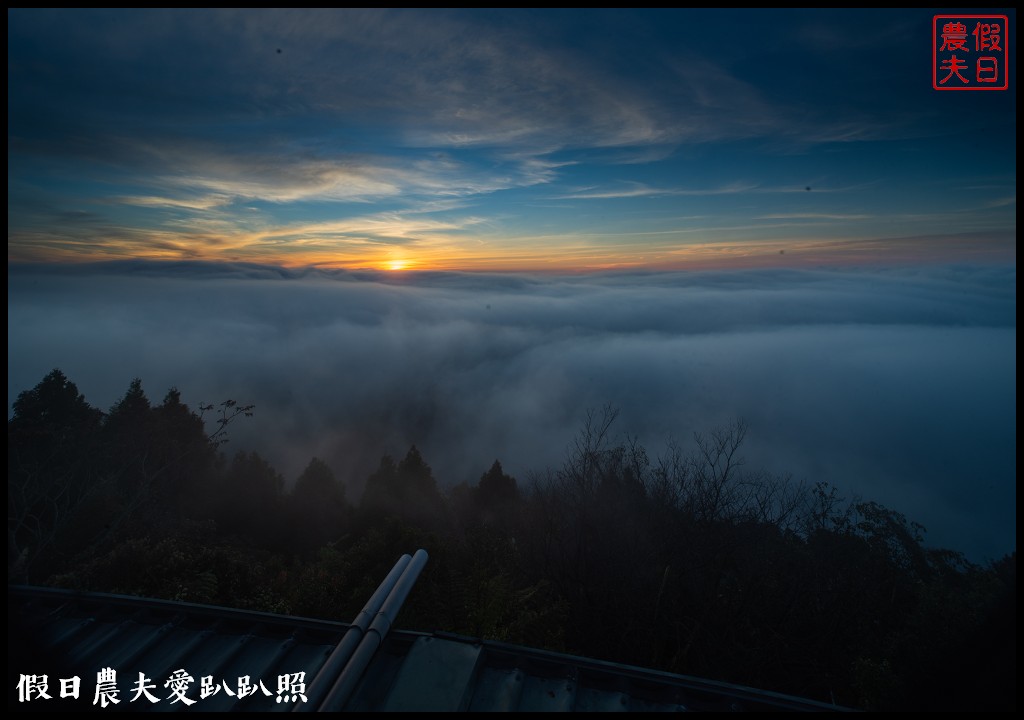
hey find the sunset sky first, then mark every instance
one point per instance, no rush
(493, 140)
(467, 229)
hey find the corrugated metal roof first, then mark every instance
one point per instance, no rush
(62, 633)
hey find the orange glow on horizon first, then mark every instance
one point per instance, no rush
(532, 255)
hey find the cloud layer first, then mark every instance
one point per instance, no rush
(899, 385)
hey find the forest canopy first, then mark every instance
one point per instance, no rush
(686, 561)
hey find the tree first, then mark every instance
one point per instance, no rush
(319, 508)
(52, 441)
(247, 499)
(381, 491)
(79, 480)
(497, 488)
(407, 490)
(180, 441)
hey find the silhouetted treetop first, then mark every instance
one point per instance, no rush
(54, 405)
(317, 482)
(319, 510)
(406, 490)
(497, 488)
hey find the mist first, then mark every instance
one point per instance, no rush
(897, 385)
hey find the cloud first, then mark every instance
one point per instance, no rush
(896, 384)
(635, 189)
(280, 175)
(812, 216)
(1001, 202)
(206, 202)
(510, 82)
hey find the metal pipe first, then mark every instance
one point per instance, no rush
(374, 636)
(321, 685)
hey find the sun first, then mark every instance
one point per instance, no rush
(398, 265)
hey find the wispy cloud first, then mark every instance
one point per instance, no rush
(1001, 202)
(206, 202)
(813, 216)
(383, 227)
(634, 190)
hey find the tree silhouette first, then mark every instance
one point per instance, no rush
(52, 440)
(319, 509)
(407, 490)
(497, 497)
(79, 480)
(497, 488)
(247, 500)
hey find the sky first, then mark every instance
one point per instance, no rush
(499, 140)
(464, 229)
